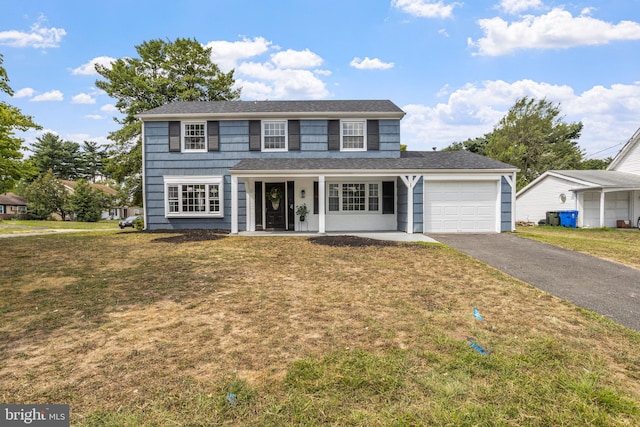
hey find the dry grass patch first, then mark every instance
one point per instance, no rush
(172, 329)
(619, 245)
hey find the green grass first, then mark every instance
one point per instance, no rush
(620, 245)
(143, 329)
(21, 226)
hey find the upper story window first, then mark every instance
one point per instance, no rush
(274, 135)
(194, 138)
(353, 135)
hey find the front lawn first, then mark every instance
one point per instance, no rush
(166, 329)
(620, 245)
(27, 226)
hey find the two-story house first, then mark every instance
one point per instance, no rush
(250, 165)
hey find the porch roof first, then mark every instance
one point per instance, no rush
(423, 161)
(602, 179)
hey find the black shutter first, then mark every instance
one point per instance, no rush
(259, 205)
(254, 135)
(294, 135)
(388, 197)
(316, 203)
(213, 135)
(333, 130)
(373, 135)
(174, 136)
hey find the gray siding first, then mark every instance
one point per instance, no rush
(402, 205)
(233, 147)
(505, 206)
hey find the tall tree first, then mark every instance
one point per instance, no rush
(50, 152)
(85, 202)
(534, 137)
(47, 195)
(164, 72)
(12, 168)
(476, 145)
(93, 157)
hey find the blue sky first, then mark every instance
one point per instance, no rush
(455, 67)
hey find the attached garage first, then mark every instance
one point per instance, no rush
(462, 206)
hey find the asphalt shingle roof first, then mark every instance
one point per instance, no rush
(416, 160)
(260, 107)
(603, 178)
(12, 200)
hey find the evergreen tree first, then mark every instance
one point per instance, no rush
(164, 72)
(85, 202)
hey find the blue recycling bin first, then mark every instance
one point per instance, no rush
(568, 218)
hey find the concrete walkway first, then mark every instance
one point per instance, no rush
(608, 288)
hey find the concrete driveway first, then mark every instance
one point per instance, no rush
(605, 287)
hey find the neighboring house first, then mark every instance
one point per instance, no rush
(602, 198)
(249, 165)
(116, 212)
(12, 205)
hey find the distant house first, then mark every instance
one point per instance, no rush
(12, 205)
(250, 166)
(603, 198)
(116, 212)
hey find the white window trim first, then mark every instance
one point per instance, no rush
(286, 137)
(2, 209)
(185, 180)
(364, 136)
(366, 211)
(183, 134)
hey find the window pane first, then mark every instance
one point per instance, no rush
(193, 198)
(373, 197)
(214, 198)
(334, 197)
(352, 135)
(274, 135)
(353, 197)
(194, 136)
(173, 199)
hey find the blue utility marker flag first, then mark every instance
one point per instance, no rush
(476, 314)
(477, 348)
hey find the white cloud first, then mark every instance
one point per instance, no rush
(54, 95)
(94, 116)
(556, 30)
(287, 74)
(83, 98)
(109, 108)
(284, 83)
(227, 54)
(37, 37)
(517, 6)
(370, 64)
(296, 59)
(425, 9)
(26, 92)
(89, 68)
(609, 114)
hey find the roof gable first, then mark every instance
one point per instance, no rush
(628, 158)
(589, 179)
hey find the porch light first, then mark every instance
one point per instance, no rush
(302, 193)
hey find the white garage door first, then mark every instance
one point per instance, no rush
(460, 206)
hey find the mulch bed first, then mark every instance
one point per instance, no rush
(352, 241)
(190, 235)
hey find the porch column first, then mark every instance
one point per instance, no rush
(321, 210)
(234, 204)
(410, 182)
(580, 208)
(602, 208)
